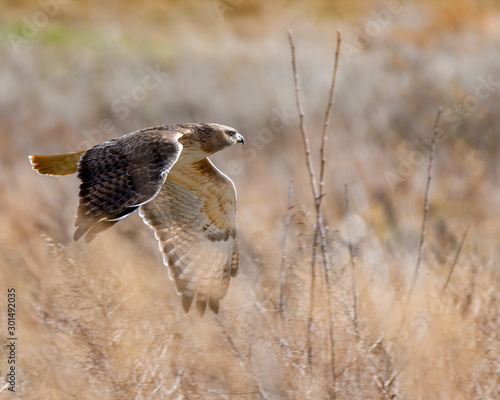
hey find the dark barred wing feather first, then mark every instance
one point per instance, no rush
(120, 175)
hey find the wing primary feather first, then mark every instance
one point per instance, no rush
(186, 302)
(213, 303)
(194, 218)
(201, 306)
(81, 229)
(99, 227)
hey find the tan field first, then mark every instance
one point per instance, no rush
(103, 321)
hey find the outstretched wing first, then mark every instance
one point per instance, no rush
(194, 218)
(120, 175)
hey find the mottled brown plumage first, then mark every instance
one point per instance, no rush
(165, 173)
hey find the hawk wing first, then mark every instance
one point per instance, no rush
(120, 175)
(194, 218)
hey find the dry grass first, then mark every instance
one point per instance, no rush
(103, 321)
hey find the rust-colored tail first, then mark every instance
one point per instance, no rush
(56, 164)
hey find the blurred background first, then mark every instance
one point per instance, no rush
(103, 321)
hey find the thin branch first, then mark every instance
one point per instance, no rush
(317, 201)
(319, 216)
(426, 201)
(303, 130)
(320, 226)
(312, 178)
(456, 259)
(326, 124)
(283, 252)
(310, 319)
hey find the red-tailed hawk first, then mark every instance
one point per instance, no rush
(165, 173)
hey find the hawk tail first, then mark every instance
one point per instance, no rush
(56, 164)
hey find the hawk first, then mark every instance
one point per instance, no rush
(164, 172)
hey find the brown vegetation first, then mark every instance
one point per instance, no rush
(103, 320)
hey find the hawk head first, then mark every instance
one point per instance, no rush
(210, 138)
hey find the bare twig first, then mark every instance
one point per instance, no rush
(310, 319)
(312, 178)
(303, 130)
(320, 227)
(456, 259)
(326, 123)
(426, 202)
(283, 252)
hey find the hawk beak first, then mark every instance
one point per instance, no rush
(239, 138)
